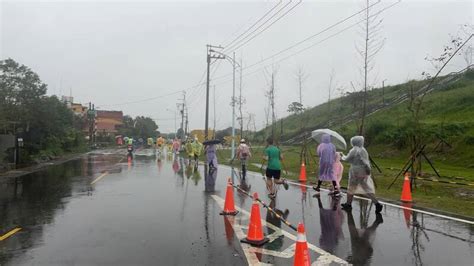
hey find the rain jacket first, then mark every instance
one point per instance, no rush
(197, 148)
(360, 180)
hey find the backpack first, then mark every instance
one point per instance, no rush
(244, 151)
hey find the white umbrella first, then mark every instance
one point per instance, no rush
(336, 139)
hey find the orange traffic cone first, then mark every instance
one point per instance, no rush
(302, 257)
(406, 191)
(303, 173)
(255, 232)
(229, 206)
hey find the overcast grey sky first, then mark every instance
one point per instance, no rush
(116, 52)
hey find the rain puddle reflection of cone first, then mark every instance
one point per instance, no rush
(229, 206)
(406, 191)
(302, 257)
(255, 235)
(229, 230)
(407, 212)
(303, 173)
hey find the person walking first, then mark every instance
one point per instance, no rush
(360, 180)
(211, 155)
(189, 149)
(243, 154)
(338, 170)
(273, 157)
(176, 146)
(327, 156)
(197, 149)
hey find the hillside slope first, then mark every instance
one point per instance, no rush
(448, 114)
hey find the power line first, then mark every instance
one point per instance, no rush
(304, 49)
(143, 100)
(263, 24)
(312, 36)
(268, 12)
(264, 29)
(302, 41)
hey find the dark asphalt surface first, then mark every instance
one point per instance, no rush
(149, 212)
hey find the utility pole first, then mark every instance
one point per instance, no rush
(272, 103)
(210, 55)
(240, 102)
(185, 108)
(91, 114)
(184, 120)
(233, 107)
(214, 101)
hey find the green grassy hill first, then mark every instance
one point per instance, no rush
(448, 114)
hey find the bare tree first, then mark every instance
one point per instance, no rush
(301, 77)
(241, 102)
(368, 49)
(270, 94)
(417, 135)
(332, 87)
(467, 51)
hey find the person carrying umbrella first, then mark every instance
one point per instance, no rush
(360, 181)
(211, 155)
(327, 157)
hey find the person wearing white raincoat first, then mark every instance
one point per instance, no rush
(360, 180)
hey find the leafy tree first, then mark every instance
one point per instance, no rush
(20, 89)
(45, 123)
(295, 108)
(140, 127)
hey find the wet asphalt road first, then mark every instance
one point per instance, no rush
(149, 212)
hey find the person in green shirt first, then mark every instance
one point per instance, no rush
(273, 157)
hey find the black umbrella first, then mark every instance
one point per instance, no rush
(212, 142)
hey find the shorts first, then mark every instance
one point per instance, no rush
(269, 173)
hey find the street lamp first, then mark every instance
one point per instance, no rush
(233, 62)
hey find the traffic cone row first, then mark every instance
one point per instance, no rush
(255, 234)
(255, 231)
(229, 206)
(406, 191)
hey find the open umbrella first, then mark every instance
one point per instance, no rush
(336, 139)
(211, 142)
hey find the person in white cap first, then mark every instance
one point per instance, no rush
(243, 154)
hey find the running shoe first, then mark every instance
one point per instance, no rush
(346, 206)
(378, 208)
(378, 218)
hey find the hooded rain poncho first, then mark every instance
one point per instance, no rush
(360, 181)
(327, 154)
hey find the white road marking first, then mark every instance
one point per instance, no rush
(397, 206)
(383, 202)
(247, 248)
